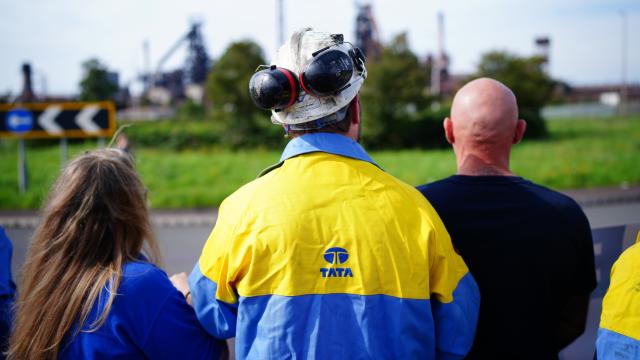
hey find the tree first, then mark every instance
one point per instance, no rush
(95, 84)
(394, 96)
(228, 90)
(525, 76)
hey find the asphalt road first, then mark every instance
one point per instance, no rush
(180, 246)
(181, 240)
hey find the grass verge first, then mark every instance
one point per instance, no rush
(579, 154)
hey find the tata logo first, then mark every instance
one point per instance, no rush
(336, 256)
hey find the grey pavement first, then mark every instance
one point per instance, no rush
(182, 234)
(587, 198)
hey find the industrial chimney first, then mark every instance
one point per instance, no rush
(27, 88)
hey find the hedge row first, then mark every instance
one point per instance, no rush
(421, 131)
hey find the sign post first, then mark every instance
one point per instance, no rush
(63, 151)
(22, 168)
(19, 121)
(55, 120)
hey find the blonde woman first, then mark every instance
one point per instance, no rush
(88, 288)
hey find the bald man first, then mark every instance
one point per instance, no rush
(528, 247)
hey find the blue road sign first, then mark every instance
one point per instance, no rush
(57, 120)
(19, 121)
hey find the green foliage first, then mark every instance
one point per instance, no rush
(182, 134)
(244, 124)
(200, 178)
(396, 104)
(394, 99)
(525, 76)
(174, 134)
(579, 153)
(95, 84)
(190, 110)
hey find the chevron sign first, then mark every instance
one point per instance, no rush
(57, 120)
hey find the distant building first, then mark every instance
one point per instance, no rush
(543, 46)
(601, 93)
(27, 94)
(367, 37)
(170, 87)
(439, 65)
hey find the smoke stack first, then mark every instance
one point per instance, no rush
(280, 11)
(543, 44)
(440, 34)
(147, 77)
(27, 88)
(438, 64)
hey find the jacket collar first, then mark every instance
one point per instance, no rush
(322, 142)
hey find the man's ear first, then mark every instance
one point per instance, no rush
(521, 127)
(355, 110)
(448, 130)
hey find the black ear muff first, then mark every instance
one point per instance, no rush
(327, 74)
(274, 88)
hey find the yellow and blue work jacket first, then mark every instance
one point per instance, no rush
(619, 333)
(327, 256)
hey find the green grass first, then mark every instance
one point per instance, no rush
(198, 178)
(583, 154)
(579, 154)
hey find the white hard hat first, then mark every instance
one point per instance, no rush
(294, 55)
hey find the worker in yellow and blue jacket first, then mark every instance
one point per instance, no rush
(326, 255)
(619, 333)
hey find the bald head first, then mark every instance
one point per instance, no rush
(484, 121)
(485, 111)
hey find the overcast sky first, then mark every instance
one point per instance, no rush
(57, 36)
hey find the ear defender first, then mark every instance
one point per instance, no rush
(328, 73)
(274, 88)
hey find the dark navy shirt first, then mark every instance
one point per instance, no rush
(7, 289)
(528, 247)
(149, 318)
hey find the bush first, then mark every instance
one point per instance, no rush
(256, 131)
(190, 110)
(204, 132)
(173, 134)
(422, 130)
(536, 125)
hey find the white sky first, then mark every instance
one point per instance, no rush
(57, 36)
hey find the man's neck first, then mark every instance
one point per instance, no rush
(476, 167)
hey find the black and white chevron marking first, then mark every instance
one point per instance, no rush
(58, 120)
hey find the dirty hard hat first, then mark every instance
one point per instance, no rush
(313, 75)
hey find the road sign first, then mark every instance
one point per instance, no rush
(57, 120)
(19, 121)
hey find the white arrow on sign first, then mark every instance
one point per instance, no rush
(85, 117)
(47, 120)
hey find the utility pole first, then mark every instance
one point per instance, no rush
(280, 11)
(623, 85)
(146, 58)
(438, 63)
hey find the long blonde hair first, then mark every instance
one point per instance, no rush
(95, 220)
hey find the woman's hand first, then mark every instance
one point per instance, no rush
(181, 282)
